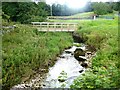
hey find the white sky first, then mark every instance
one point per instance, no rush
(64, 1)
(76, 3)
(73, 1)
(105, 0)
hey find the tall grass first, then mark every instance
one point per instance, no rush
(26, 50)
(104, 73)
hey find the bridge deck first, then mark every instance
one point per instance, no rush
(55, 26)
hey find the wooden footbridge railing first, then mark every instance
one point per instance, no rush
(55, 26)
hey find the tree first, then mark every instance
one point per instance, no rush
(26, 12)
(10, 9)
(115, 6)
(101, 8)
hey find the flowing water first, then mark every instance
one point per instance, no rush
(62, 74)
(69, 65)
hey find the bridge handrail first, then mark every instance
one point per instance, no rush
(55, 25)
(50, 23)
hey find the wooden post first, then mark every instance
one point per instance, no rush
(40, 27)
(68, 25)
(33, 24)
(61, 27)
(55, 26)
(47, 26)
(74, 27)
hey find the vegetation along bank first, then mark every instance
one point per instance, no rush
(105, 70)
(26, 51)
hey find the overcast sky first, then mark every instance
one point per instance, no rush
(66, 1)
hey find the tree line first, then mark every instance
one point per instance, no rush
(99, 8)
(26, 12)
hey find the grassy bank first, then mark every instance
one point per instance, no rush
(104, 73)
(25, 50)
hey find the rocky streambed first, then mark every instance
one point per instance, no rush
(72, 63)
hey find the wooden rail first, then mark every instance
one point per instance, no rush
(55, 26)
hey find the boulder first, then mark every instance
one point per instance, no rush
(71, 50)
(61, 79)
(81, 71)
(82, 58)
(68, 51)
(79, 52)
(88, 54)
(84, 64)
(61, 56)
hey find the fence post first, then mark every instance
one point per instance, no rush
(55, 26)
(68, 27)
(40, 26)
(74, 27)
(47, 26)
(61, 27)
(33, 24)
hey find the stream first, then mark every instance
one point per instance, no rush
(67, 65)
(62, 74)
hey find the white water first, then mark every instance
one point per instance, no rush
(68, 64)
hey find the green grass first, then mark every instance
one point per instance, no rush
(104, 73)
(26, 50)
(0, 51)
(0, 17)
(80, 15)
(66, 21)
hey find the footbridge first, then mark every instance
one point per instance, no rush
(55, 26)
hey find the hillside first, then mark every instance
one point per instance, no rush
(87, 14)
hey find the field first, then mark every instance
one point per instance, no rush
(82, 15)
